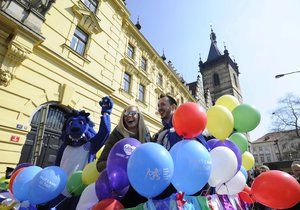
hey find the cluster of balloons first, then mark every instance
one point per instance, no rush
(37, 185)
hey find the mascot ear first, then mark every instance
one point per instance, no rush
(83, 113)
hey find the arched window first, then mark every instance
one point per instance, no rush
(216, 79)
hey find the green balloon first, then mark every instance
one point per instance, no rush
(240, 140)
(75, 185)
(246, 118)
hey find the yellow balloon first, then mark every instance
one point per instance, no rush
(90, 173)
(219, 122)
(229, 101)
(247, 160)
(98, 154)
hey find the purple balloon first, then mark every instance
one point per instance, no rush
(234, 148)
(103, 189)
(118, 179)
(120, 153)
(211, 143)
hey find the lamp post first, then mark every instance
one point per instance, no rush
(281, 75)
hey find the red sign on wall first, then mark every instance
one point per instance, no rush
(15, 138)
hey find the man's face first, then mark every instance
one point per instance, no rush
(296, 170)
(165, 109)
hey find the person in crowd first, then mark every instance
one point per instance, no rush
(132, 125)
(263, 168)
(167, 136)
(296, 170)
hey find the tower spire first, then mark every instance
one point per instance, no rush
(214, 52)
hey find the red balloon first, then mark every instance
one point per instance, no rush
(189, 120)
(12, 179)
(276, 189)
(246, 195)
(108, 204)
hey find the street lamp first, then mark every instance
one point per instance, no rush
(281, 75)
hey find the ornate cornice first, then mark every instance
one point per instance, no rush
(87, 20)
(16, 53)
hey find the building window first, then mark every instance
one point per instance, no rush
(262, 159)
(91, 4)
(268, 158)
(159, 79)
(141, 92)
(235, 80)
(79, 41)
(172, 90)
(126, 81)
(144, 64)
(216, 80)
(130, 51)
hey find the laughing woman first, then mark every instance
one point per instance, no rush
(132, 125)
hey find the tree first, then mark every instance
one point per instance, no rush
(287, 115)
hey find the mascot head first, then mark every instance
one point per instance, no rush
(78, 128)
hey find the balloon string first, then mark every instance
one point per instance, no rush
(68, 197)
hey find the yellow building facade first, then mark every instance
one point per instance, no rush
(71, 54)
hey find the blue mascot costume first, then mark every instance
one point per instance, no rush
(80, 145)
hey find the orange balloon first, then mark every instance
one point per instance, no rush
(12, 179)
(108, 204)
(189, 120)
(276, 189)
(246, 195)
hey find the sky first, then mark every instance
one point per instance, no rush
(262, 35)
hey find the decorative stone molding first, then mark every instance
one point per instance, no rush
(15, 55)
(87, 20)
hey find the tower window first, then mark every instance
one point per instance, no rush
(235, 80)
(216, 80)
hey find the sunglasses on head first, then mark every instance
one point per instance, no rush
(131, 113)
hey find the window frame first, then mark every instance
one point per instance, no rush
(88, 4)
(141, 94)
(144, 63)
(130, 50)
(126, 81)
(159, 80)
(77, 39)
(216, 79)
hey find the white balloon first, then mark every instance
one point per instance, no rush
(233, 186)
(224, 164)
(88, 198)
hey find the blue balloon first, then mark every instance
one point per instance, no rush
(21, 185)
(150, 169)
(244, 172)
(192, 166)
(47, 185)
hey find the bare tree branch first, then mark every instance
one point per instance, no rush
(286, 116)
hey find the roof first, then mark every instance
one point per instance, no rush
(214, 51)
(278, 135)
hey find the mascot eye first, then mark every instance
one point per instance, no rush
(81, 122)
(71, 123)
